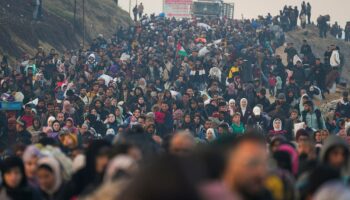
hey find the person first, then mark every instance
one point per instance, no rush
(312, 116)
(22, 135)
(50, 178)
(308, 12)
(244, 110)
(210, 135)
(277, 129)
(88, 178)
(182, 143)
(15, 181)
(343, 106)
(237, 126)
(347, 31)
(140, 9)
(257, 121)
(240, 176)
(135, 11)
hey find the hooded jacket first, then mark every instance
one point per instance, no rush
(56, 191)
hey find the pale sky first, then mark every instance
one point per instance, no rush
(337, 9)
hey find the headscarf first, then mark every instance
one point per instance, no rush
(54, 165)
(274, 124)
(243, 109)
(210, 130)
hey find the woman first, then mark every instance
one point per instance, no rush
(232, 107)
(50, 178)
(118, 113)
(237, 126)
(244, 110)
(324, 134)
(70, 126)
(30, 158)
(90, 177)
(277, 129)
(56, 128)
(210, 135)
(35, 130)
(187, 123)
(14, 180)
(110, 122)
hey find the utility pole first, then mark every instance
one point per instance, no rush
(75, 14)
(83, 24)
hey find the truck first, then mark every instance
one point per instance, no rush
(212, 8)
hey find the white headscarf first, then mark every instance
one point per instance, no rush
(55, 166)
(243, 108)
(274, 126)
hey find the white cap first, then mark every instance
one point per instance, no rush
(256, 111)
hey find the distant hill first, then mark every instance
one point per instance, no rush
(19, 34)
(318, 45)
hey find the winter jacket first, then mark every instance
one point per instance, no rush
(335, 59)
(313, 119)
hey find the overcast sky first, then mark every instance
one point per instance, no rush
(252, 8)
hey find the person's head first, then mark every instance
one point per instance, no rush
(277, 124)
(243, 103)
(182, 143)
(345, 96)
(246, 168)
(236, 118)
(69, 123)
(318, 137)
(111, 118)
(207, 124)
(210, 134)
(141, 100)
(165, 107)
(301, 135)
(60, 117)
(294, 114)
(49, 175)
(324, 134)
(97, 157)
(308, 106)
(30, 158)
(232, 103)
(27, 109)
(13, 175)
(257, 111)
(335, 152)
(56, 126)
(137, 113)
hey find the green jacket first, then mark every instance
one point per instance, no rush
(237, 129)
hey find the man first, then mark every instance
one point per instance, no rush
(257, 121)
(308, 13)
(306, 49)
(182, 143)
(312, 117)
(246, 169)
(291, 52)
(22, 135)
(262, 100)
(343, 106)
(140, 10)
(27, 116)
(135, 11)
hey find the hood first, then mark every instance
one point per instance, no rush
(55, 167)
(301, 105)
(331, 142)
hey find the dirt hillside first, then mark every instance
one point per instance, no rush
(19, 33)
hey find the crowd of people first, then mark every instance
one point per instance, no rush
(176, 109)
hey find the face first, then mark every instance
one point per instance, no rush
(277, 124)
(232, 104)
(337, 157)
(209, 135)
(236, 119)
(46, 179)
(30, 167)
(56, 126)
(293, 115)
(187, 119)
(306, 107)
(324, 135)
(318, 137)
(137, 113)
(141, 101)
(165, 107)
(207, 124)
(98, 104)
(13, 177)
(243, 103)
(247, 168)
(60, 117)
(197, 120)
(111, 118)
